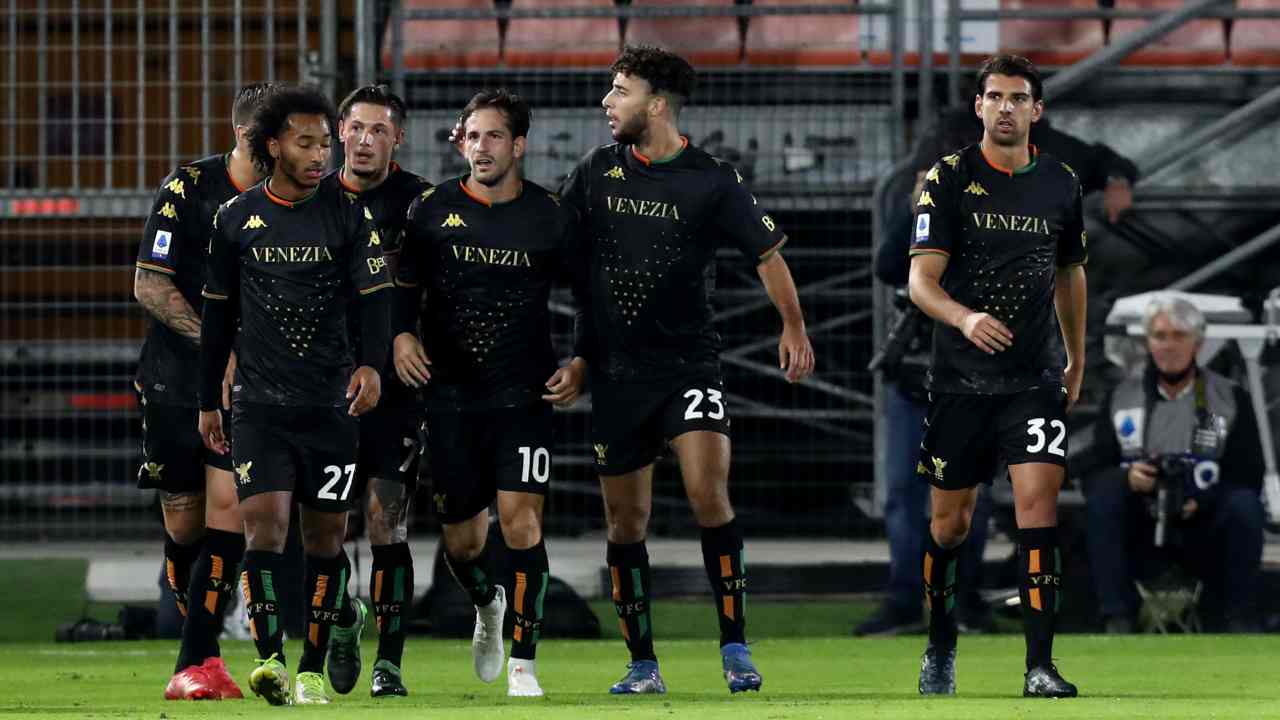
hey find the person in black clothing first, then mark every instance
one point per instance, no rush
(656, 209)
(486, 248)
(371, 128)
(204, 535)
(1192, 433)
(1004, 223)
(286, 259)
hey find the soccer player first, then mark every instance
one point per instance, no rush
(204, 536)
(287, 258)
(371, 128)
(656, 209)
(998, 259)
(487, 248)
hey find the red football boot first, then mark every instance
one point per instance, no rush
(221, 680)
(192, 683)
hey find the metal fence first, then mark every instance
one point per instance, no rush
(105, 97)
(102, 99)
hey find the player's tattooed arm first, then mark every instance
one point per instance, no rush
(164, 301)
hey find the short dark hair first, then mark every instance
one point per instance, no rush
(512, 106)
(375, 95)
(248, 100)
(666, 72)
(272, 118)
(1013, 66)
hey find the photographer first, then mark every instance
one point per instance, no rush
(1184, 479)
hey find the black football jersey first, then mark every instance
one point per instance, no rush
(488, 271)
(1006, 233)
(294, 268)
(653, 228)
(174, 243)
(388, 205)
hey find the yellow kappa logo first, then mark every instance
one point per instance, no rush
(932, 176)
(975, 189)
(168, 210)
(194, 173)
(367, 215)
(453, 221)
(242, 472)
(153, 470)
(253, 223)
(938, 466)
(373, 237)
(602, 452)
(175, 186)
(926, 199)
(615, 173)
(953, 160)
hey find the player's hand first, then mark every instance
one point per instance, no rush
(365, 387)
(1072, 377)
(1142, 477)
(1117, 198)
(211, 432)
(989, 334)
(412, 364)
(795, 354)
(565, 384)
(1189, 508)
(228, 377)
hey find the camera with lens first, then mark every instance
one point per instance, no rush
(1173, 476)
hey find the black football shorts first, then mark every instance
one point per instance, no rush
(391, 442)
(966, 436)
(475, 453)
(632, 422)
(309, 451)
(173, 455)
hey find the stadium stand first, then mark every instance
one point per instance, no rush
(813, 40)
(561, 42)
(1255, 41)
(705, 41)
(447, 44)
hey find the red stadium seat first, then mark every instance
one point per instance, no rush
(803, 40)
(1050, 42)
(701, 40)
(1199, 42)
(562, 42)
(1255, 42)
(446, 44)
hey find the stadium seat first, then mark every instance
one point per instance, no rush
(1050, 42)
(561, 42)
(1255, 42)
(701, 40)
(803, 40)
(446, 44)
(1199, 42)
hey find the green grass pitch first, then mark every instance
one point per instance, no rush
(811, 668)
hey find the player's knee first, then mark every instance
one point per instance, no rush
(628, 522)
(265, 534)
(385, 528)
(950, 529)
(521, 531)
(185, 533)
(710, 504)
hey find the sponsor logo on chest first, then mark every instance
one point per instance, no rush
(645, 208)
